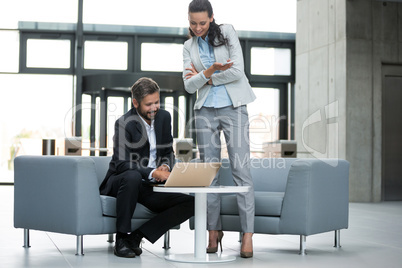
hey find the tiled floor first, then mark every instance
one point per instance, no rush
(374, 239)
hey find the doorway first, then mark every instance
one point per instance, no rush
(392, 137)
(113, 92)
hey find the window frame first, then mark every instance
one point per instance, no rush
(271, 44)
(45, 35)
(136, 35)
(156, 40)
(110, 38)
(166, 39)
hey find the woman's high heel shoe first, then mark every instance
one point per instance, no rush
(219, 242)
(246, 254)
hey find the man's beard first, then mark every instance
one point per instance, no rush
(148, 115)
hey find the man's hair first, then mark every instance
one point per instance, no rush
(143, 87)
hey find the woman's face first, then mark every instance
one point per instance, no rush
(199, 23)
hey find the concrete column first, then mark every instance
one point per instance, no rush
(341, 48)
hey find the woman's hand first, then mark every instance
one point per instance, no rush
(208, 72)
(220, 67)
(217, 67)
(192, 72)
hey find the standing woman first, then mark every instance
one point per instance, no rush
(223, 93)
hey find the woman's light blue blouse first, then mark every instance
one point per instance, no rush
(218, 96)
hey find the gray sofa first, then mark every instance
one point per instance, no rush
(293, 196)
(61, 194)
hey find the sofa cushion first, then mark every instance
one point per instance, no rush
(109, 208)
(266, 204)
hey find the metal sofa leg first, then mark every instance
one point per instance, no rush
(166, 243)
(26, 239)
(110, 238)
(302, 245)
(80, 245)
(337, 239)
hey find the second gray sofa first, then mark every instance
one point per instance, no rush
(293, 196)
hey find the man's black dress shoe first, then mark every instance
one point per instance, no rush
(134, 241)
(122, 248)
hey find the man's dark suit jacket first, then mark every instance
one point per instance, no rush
(131, 145)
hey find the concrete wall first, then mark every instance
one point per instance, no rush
(341, 48)
(320, 106)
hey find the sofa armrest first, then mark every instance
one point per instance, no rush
(57, 194)
(316, 197)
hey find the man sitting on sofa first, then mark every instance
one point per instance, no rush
(142, 155)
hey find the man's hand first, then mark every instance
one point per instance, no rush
(161, 173)
(163, 168)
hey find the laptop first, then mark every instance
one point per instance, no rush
(192, 174)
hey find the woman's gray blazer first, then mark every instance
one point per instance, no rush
(234, 79)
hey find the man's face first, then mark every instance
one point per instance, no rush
(148, 107)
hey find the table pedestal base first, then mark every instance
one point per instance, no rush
(200, 223)
(190, 258)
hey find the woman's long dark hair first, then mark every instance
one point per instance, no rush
(215, 35)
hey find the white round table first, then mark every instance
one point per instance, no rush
(200, 222)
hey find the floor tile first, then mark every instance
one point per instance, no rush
(373, 239)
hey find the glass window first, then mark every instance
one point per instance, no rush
(105, 55)
(11, 12)
(172, 13)
(264, 119)
(33, 107)
(257, 15)
(115, 111)
(162, 57)
(169, 106)
(44, 53)
(279, 16)
(9, 52)
(86, 109)
(270, 61)
(182, 116)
